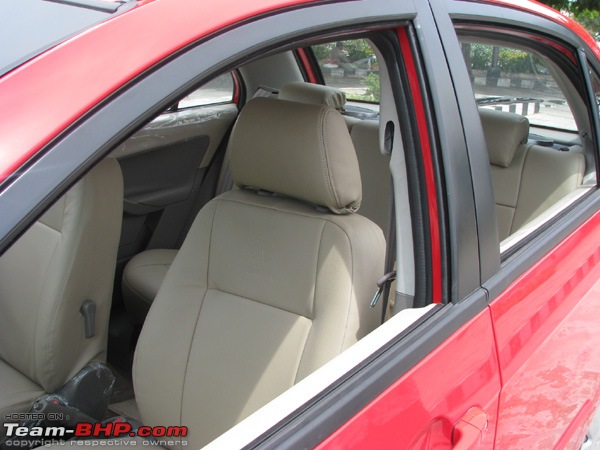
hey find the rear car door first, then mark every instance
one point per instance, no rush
(544, 298)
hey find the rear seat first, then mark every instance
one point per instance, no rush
(527, 178)
(144, 273)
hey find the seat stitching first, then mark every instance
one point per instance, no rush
(325, 157)
(187, 363)
(75, 243)
(314, 295)
(324, 217)
(349, 303)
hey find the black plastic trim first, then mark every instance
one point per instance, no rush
(593, 107)
(457, 191)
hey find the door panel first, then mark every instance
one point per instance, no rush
(164, 167)
(546, 325)
(162, 176)
(421, 409)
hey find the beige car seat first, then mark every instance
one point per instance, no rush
(273, 280)
(57, 276)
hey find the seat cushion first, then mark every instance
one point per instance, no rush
(66, 257)
(263, 291)
(17, 393)
(142, 277)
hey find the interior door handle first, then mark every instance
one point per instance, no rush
(469, 430)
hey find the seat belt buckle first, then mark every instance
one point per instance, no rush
(376, 297)
(381, 284)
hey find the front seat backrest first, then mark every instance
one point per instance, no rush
(67, 257)
(273, 280)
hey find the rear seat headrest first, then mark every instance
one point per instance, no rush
(298, 150)
(315, 94)
(504, 132)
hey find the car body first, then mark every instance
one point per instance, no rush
(498, 346)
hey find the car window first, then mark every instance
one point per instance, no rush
(534, 116)
(350, 66)
(518, 80)
(218, 90)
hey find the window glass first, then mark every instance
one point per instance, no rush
(519, 81)
(350, 66)
(219, 90)
(542, 166)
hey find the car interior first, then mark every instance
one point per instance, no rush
(233, 245)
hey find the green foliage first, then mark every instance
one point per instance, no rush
(357, 49)
(586, 12)
(373, 93)
(590, 19)
(322, 52)
(509, 60)
(515, 61)
(481, 56)
(575, 7)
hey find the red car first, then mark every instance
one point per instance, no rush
(294, 224)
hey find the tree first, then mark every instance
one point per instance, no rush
(586, 12)
(574, 7)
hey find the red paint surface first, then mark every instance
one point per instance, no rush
(41, 98)
(546, 326)
(434, 219)
(309, 70)
(547, 329)
(420, 410)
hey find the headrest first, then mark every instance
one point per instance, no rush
(298, 150)
(504, 132)
(315, 94)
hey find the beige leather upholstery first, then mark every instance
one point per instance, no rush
(142, 278)
(318, 171)
(65, 258)
(144, 273)
(504, 133)
(314, 94)
(527, 179)
(266, 288)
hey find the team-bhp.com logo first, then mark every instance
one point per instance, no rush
(93, 434)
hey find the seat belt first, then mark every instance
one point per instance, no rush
(384, 283)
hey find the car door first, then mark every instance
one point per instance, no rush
(433, 382)
(436, 384)
(544, 297)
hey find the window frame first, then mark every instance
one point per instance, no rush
(496, 279)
